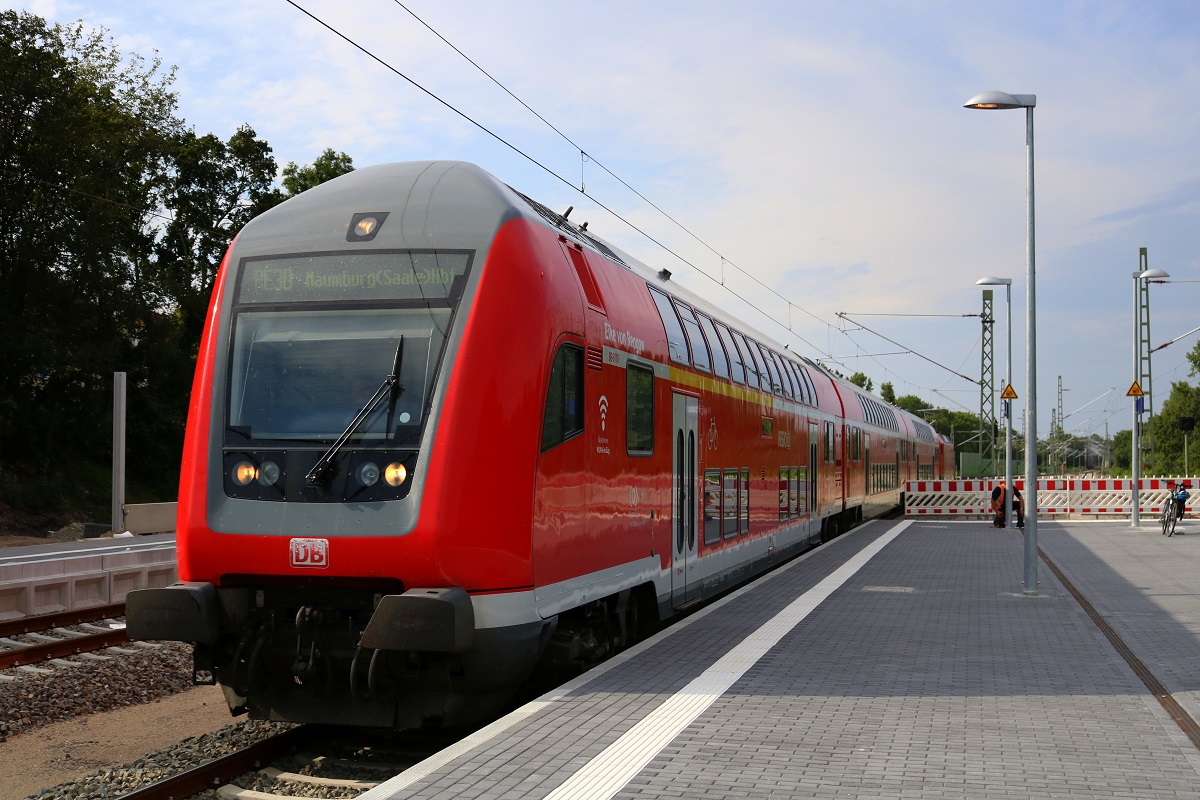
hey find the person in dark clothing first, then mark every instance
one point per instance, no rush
(1018, 506)
(998, 504)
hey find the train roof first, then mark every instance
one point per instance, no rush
(454, 204)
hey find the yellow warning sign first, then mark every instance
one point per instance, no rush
(1135, 391)
(1008, 393)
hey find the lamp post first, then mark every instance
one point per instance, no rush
(1135, 519)
(1003, 100)
(1008, 476)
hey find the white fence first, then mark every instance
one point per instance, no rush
(1082, 499)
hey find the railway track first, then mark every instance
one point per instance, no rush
(49, 636)
(285, 766)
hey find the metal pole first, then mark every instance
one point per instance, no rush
(1008, 466)
(1135, 431)
(118, 460)
(1031, 471)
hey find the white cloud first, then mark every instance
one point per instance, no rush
(821, 146)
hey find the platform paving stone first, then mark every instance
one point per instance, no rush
(928, 674)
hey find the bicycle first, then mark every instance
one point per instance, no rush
(1174, 507)
(1168, 518)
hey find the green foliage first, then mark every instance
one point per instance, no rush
(861, 380)
(887, 392)
(1167, 454)
(327, 166)
(114, 218)
(82, 133)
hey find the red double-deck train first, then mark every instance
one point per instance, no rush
(440, 436)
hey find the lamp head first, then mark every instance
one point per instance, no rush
(1155, 273)
(1001, 100)
(993, 281)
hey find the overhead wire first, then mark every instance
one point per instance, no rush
(586, 157)
(589, 157)
(580, 189)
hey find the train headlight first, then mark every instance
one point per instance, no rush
(395, 474)
(367, 473)
(268, 473)
(244, 473)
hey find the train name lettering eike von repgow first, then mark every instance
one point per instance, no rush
(441, 440)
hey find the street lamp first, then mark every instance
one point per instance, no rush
(1003, 100)
(1008, 476)
(1135, 519)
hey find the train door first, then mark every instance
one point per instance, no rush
(813, 440)
(866, 448)
(684, 497)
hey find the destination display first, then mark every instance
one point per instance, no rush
(405, 275)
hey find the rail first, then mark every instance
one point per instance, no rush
(1087, 498)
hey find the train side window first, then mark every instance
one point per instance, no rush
(801, 387)
(736, 367)
(676, 340)
(748, 357)
(729, 498)
(802, 509)
(563, 418)
(720, 362)
(700, 357)
(639, 410)
(783, 493)
(776, 383)
(856, 444)
(712, 506)
(793, 492)
(789, 391)
(744, 501)
(812, 387)
(829, 443)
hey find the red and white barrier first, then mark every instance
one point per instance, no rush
(1056, 497)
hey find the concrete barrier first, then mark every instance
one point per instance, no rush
(93, 577)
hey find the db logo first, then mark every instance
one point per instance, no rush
(310, 553)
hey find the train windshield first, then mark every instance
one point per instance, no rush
(315, 335)
(301, 376)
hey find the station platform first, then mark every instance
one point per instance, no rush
(902, 660)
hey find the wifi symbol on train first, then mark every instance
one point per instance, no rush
(603, 410)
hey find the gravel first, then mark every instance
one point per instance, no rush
(114, 782)
(31, 701)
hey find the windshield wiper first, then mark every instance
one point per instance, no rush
(391, 387)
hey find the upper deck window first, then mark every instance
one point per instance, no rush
(700, 357)
(720, 362)
(736, 367)
(676, 340)
(752, 368)
(776, 383)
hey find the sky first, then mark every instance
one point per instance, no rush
(812, 157)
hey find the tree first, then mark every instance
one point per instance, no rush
(860, 380)
(83, 132)
(887, 392)
(1167, 434)
(212, 189)
(327, 166)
